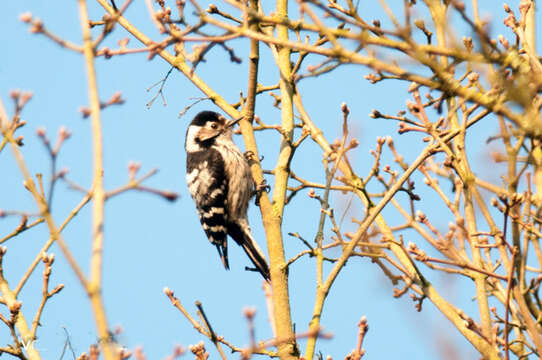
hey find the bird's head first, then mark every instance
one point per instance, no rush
(205, 128)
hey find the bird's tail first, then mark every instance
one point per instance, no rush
(257, 257)
(241, 234)
(223, 253)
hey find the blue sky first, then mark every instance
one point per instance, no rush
(151, 243)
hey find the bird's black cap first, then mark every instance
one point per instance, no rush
(205, 116)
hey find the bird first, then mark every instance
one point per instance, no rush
(220, 183)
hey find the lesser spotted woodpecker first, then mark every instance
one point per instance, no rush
(219, 180)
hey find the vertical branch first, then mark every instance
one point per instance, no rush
(469, 189)
(438, 13)
(480, 279)
(282, 170)
(321, 290)
(271, 219)
(254, 59)
(320, 233)
(530, 45)
(95, 282)
(279, 276)
(530, 28)
(98, 198)
(507, 306)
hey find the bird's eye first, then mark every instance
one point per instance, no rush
(214, 126)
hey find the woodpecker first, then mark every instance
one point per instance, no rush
(219, 180)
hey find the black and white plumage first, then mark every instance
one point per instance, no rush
(219, 180)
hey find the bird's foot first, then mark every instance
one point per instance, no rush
(249, 155)
(260, 188)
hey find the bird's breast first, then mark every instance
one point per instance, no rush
(240, 184)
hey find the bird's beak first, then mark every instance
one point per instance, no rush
(207, 134)
(233, 122)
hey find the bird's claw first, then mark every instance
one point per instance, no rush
(260, 188)
(249, 155)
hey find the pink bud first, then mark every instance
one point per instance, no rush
(25, 17)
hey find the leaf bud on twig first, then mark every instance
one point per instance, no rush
(345, 109)
(26, 17)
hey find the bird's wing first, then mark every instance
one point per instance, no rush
(208, 186)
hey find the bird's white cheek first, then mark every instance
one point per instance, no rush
(191, 145)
